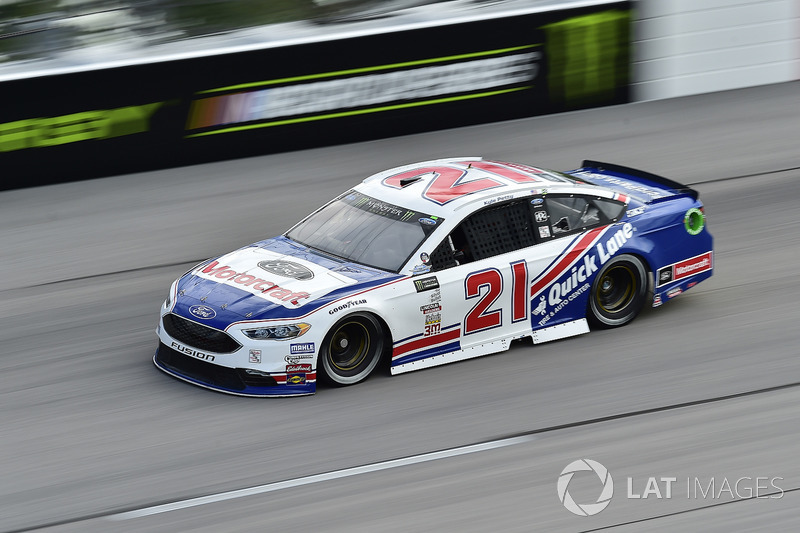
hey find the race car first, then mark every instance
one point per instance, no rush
(432, 263)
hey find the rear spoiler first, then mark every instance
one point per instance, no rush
(678, 187)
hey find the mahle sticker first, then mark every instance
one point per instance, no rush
(694, 221)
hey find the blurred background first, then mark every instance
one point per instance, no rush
(92, 29)
(176, 82)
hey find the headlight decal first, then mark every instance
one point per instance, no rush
(278, 333)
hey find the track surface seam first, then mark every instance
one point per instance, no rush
(686, 511)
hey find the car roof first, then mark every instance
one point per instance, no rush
(412, 186)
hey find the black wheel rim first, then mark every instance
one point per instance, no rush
(349, 346)
(616, 289)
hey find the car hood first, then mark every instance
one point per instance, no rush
(272, 279)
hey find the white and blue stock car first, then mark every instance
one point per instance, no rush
(432, 263)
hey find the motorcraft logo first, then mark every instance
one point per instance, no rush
(585, 509)
(286, 269)
(202, 311)
(214, 271)
(693, 266)
(685, 268)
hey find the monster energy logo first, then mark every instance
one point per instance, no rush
(52, 131)
(589, 57)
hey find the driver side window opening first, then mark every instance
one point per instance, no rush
(521, 224)
(493, 231)
(571, 214)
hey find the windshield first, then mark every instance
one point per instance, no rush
(364, 230)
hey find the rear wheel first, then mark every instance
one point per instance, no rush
(351, 350)
(618, 292)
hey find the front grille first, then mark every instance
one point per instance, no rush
(200, 370)
(199, 336)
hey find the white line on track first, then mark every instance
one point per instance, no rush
(318, 478)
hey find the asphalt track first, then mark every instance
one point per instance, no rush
(703, 389)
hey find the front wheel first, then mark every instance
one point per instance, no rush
(618, 292)
(351, 349)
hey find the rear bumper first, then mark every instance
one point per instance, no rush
(677, 278)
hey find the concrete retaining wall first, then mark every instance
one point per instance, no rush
(684, 47)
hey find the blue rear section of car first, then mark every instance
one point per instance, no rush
(642, 186)
(678, 250)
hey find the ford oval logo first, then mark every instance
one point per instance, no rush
(286, 269)
(427, 221)
(202, 311)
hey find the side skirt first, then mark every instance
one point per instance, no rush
(451, 357)
(561, 331)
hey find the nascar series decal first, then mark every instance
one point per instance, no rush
(426, 284)
(684, 269)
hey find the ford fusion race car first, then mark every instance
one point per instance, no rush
(432, 263)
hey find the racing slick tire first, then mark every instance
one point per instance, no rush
(618, 292)
(351, 350)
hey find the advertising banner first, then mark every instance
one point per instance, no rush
(142, 117)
